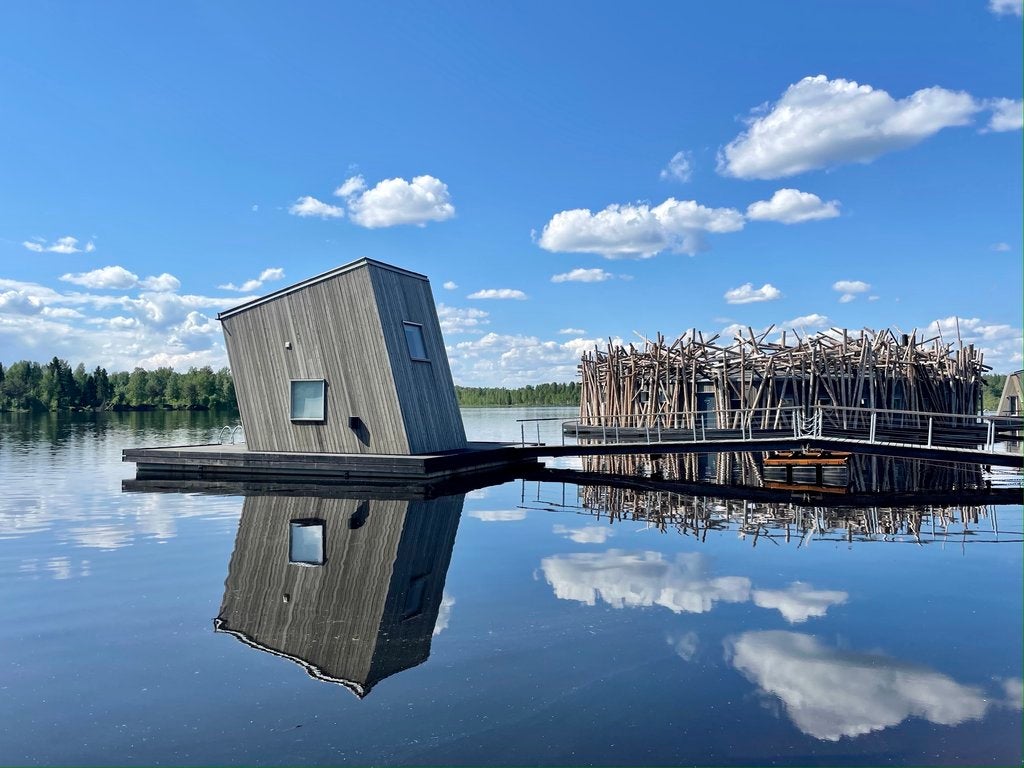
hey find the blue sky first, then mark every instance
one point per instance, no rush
(577, 171)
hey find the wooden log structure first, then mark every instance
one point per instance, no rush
(761, 383)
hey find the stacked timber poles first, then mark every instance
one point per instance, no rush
(770, 384)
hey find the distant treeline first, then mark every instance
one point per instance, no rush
(540, 394)
(56, 386)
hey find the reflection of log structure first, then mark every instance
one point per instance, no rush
(369, 611)
(696, 515)
(863, 473)
(655, 384)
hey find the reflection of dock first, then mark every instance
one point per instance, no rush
(349, 589)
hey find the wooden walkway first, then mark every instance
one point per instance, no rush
(782, 442)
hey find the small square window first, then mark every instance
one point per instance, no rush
(306, 542)
(414, 338)
(308, 400)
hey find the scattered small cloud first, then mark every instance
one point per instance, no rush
(806, 322)
(799, 601)
(255, 207)
(685, 645)
(309, 206)
(458, 320)
(63, 245)
(850, 289)
(1000, 247)
(1007, 115)
(822, 123)
(1006, 7)
(450, 285)
(499, 515)
(873, 298)
(571, 332)
(636, 230)
(747, 294)
(679, 168)
(580, 275)
(588, 534)
(393, 202)
(267, 275)
(791, 206)
(498, 293)
(444, 613)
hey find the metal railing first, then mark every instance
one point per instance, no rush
(232, 434)
(872, 425)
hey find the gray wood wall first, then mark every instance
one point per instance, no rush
(343, 620)
(346, 329)
(426, 394)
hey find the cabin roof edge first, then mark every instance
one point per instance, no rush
(331, 273)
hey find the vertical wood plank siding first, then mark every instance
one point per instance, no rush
(346, 329)
(343, 620)
(430, 410)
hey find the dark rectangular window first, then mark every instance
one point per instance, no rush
(414, 338)
(308, 401)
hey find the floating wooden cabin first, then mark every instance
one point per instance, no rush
(348, 589)
(1012, 398)
(350, 361)
(667, 383)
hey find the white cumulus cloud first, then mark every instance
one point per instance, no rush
(450, 285)
(748, 294)
(498, 293)
(104, 277)
(1006, 7)
(571, 332)
(679, 168)
(637, 230)
(581, 275)
(307, 206)
(822, 123)
(396, 201)
(587, 534)
(804, 322)
(459, 320)
(1007, 115)
(267, 275)
(63, 245)
(850, 289)
(791, 206)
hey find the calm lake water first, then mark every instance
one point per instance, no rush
(527, 623)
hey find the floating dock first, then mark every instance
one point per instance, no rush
(236, 461)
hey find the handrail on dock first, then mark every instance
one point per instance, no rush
(856, 423)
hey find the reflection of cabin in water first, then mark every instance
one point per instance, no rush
(348, 589)
(350, 361)
(1010, 401)
(667, 383)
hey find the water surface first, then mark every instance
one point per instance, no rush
(527, 623)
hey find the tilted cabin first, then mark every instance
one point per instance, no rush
(348, 589)
(1010, 401)
(350, 361)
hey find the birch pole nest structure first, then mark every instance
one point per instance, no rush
(668, 383)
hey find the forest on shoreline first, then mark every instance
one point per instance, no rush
(56, 386)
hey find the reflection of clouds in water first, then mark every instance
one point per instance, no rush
(79, 522)
(479, 493)
(588, 534)
(799, 601)
(631, 579)
(58, 568)
(829, 693)
(685, 646)
(499, 515)
(444, 613)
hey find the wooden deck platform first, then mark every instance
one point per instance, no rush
(236, 461)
